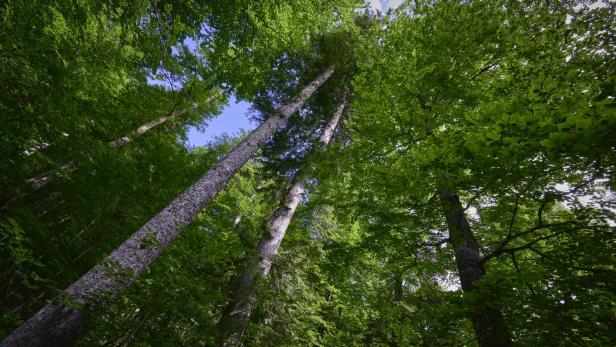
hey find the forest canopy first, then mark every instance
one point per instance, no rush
(437, 174)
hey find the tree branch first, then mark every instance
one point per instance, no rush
(502, 247)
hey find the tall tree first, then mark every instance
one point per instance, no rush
(176, 300)
(240, 307)
(472, 185)
(45, 178)
(487, 318)
(431, 97)
(60, 321)
(83, 71)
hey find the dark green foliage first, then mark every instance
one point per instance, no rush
(75, 79)
(508, 103)
(179, 299)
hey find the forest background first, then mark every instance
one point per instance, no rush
(435, 173)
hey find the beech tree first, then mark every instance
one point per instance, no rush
(488, 321)
(429, 113)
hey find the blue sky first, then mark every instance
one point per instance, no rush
(233, 118)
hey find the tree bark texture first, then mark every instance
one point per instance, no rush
(45, 178)
(237, 313)
(487, 319)
(58, 323)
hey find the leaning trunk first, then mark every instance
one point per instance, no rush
(45, 178)
(487, 318)
(59, 322)
(238, 311)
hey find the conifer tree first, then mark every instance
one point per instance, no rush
(59, 320)
(43, 179)
(240, 307)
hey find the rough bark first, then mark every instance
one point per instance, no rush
(238, 311)
(487, 319)
(45, 178)
(56, 324)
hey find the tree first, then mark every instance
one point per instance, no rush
(240, 307)
(468, 199)
(83, 81)
(426, 98)
(43, 179)
(82, 216)
(58, 321)
(487, 320)
(176, 300)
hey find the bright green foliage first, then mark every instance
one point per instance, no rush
(509, 103)
(254, 40)
(74, 79)
(185, 290)
(488, 109)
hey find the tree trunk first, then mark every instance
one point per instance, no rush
(45, 178)
(237, 313)
(487, 318)
(59, 322)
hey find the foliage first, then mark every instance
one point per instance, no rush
(510, 104)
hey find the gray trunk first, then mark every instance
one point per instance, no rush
(238, 311)
(487, 318)
(45, 178)
(57, 323)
